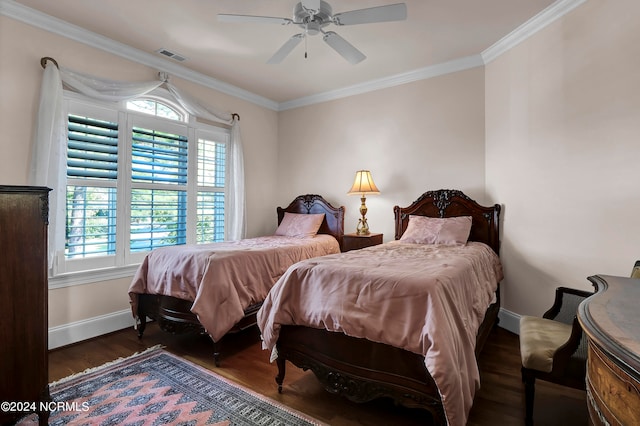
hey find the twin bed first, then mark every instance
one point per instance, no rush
(404, 320)
(218, 288)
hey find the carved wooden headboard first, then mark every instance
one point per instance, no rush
(333, 223)
(451, 203)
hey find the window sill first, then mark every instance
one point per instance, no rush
(92, 276)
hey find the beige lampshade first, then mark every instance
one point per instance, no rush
(363, 184)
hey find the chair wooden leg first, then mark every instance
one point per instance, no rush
(529, 395)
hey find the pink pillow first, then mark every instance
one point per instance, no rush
(300, 225)
(435, 230)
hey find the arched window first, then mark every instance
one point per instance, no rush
(158, 108)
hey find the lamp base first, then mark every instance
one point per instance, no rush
(363, 227)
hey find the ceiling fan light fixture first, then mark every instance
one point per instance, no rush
(313, 15)
(312, 28)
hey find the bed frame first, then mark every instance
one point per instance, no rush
(361, 370)
(174, 315)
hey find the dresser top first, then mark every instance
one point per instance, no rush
(22, 188)
(611, 319)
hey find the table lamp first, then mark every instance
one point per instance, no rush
(363, 185)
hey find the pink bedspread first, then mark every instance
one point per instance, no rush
(427, 299)
(223, 279)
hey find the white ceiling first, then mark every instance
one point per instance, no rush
(435, 32)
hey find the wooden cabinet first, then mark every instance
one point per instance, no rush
(610, 321)
(23, 301)
(355, 241)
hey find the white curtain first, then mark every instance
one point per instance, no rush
(48, 164)
(48, 160)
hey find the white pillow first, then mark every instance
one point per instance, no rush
(435, 230)
(300, 225)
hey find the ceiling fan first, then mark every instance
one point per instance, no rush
(314, 15)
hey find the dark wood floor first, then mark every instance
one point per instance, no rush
(500, 400)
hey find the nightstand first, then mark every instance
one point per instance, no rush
(355, 241)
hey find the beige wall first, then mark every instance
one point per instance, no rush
(415, 137)
(562, 136)
(21, 47)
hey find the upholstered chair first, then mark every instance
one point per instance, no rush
(635, 272)
(552, 347)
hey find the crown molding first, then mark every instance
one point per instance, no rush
(529, 28)
(57, 26)
(40, 20)
(386, 82)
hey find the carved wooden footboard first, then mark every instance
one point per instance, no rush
(362, 371)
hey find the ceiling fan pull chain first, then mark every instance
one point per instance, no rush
(305, 46)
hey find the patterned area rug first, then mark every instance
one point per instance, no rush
(158, 388)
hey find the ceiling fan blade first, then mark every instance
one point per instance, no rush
(343, 47)
(392, 12)
(286, 48)
(311, 5)
(223, 17)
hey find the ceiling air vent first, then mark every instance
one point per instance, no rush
(170, 54)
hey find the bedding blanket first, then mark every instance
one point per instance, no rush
(223, 279)
(427, 299)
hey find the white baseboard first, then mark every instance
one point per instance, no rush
(86, 329)
(509, 321)
(74, 332)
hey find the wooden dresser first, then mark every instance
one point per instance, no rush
(23, 302)
(611, 322)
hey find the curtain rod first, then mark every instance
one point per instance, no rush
(44, 59)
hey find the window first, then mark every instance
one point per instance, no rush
(153, 107)
(141, 175)
(211, 184)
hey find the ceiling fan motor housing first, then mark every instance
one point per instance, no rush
(310, 21)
